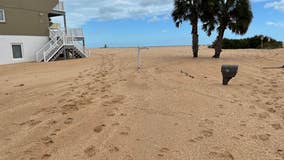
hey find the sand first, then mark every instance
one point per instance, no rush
(174, 108)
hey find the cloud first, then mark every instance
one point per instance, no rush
(164, 31)
(80, 12)
(275, 24)
(278, 5)
(259, 0)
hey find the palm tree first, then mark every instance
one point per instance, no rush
(233, 14)
(188, 10)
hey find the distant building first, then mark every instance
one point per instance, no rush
(25, 33)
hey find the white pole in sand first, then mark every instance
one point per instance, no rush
(139, 57)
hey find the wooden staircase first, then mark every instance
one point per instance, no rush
(63, 46)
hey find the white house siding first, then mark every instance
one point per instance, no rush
(30, 45)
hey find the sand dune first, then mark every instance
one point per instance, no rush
(174, 108)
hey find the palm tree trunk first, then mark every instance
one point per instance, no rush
(219, 41)
(195, 46)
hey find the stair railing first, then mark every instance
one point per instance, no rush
(58, 38)
(53, 49)
(40, 54)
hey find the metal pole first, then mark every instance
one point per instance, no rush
(84, 45)
(65, 54)
(65, 23)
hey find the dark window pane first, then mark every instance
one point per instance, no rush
(17, 51)
(1, 15)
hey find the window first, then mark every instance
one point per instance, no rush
(2, 16)
(17, 51)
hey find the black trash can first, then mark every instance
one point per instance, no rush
(228, 72)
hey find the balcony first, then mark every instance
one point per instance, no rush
(75, 32)
(59, 7)
(58, 10)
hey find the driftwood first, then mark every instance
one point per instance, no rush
(186, 74)
(274, 67)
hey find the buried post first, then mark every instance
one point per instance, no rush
(228, 72)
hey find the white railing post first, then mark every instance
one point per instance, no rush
(44, 57)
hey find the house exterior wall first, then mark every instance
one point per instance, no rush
(30, 45)
(26, 17)
(26, 23)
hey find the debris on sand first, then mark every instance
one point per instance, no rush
(20, 85)
(282, 67)
(186, 74)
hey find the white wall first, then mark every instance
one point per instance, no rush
(30, 44)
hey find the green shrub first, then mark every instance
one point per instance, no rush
(253, 42)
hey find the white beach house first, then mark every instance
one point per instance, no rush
(26, 34)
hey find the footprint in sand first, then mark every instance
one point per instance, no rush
(264, 137)
(68, 121)
(280, 153)
(125, 131)
(110, 114)
(221, 106)
(271, 110)
(221, 156)
(45, 156)
(116, 124)
(163, 151)
(61, 100)
(118, 99)
(54, 133)
(103, 90)
(105, 97)
(51, 123)
(69, 108)
(276, 126)
(252, 107)
(99, 128)
(236, 138)
(123, 114)
(106, 103)
(197, 139)
(263, 115)
(30, 123)
(243, 123)
(128, 157)
(90, 151)
(206, 123)
(269, 103)
(207, 133)
(47, 140)
(113, 149)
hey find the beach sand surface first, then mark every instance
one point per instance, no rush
(173, 108)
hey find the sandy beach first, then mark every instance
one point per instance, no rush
(174, 108)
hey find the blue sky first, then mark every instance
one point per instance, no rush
(125, 23)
